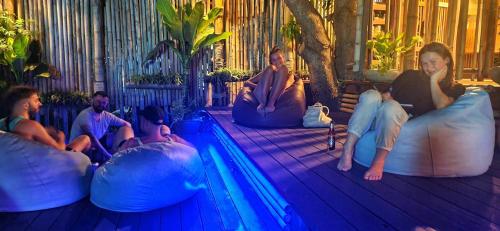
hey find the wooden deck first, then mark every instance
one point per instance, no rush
(212, 208)
(295, 162)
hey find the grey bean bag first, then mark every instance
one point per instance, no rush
(290, 108)
(451, 142)
(34, 176)
(148, 177)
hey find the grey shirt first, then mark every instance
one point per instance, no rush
(98, 123)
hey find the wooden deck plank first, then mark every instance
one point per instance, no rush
(395, 206)
(191, 219)
(108, 220)
(129, 222)
(70, 214)
(460, 200)
(446, 203)
(171, 218)
(293, 189)
(46, 218)
(288, 185)
(151, 220)
(453, 212)
(6, 218)
(210, 215)
(88, 219)
(22, 221)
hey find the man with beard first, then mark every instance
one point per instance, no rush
(20, 101)
(95, 121)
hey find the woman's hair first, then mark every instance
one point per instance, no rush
(274, 51)
(443, 51)
(16, 93)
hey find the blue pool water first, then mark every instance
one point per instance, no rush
(246, 199)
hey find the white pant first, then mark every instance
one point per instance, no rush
(386, 118)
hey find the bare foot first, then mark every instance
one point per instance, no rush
(345, 162)
(260, 108)
(375, 172)
(269, 109)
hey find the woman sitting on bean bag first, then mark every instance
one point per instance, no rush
(273, 98)
(429, 89)
(149, 172)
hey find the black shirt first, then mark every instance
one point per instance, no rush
(414, 88)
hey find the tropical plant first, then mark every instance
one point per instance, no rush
(291, 30)
(169, 79)
(190, 31)
(224, 75)
(60, 98)
(20, 57)
(386, 49)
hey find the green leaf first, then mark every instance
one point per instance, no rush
(213, 38)
(157, 51)
(191, 22)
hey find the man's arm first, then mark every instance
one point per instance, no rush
(35, 131)
(93, 139)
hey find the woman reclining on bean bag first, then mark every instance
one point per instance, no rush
(272, 98)
(148, 172)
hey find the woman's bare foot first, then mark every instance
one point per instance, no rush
(375, 172)
(269, 108)
(345, 162)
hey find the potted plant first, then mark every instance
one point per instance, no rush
(20, 57)
(190, 31)
(386, 50)
(155, 81)
(223, 83)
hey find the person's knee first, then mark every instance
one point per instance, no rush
(370, 96)
(391, 110)
(125, 130)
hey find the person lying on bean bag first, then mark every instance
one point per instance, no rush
(149, 172)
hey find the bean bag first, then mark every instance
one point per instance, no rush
(34, 176)
(451, 142)
(147, 177)
(290, 108)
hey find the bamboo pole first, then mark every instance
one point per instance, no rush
(99, 70)
(486, 11)
(462, 33)
(78, 38)
(8, 5)
(87, 25)
(477, 36)
(490, 44)
(411, 30)
(451, 24)
(70, 55)
(434, 18)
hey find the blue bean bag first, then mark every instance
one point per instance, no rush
(148, 177)
(34, 176)
(451, 142)
(290, 108)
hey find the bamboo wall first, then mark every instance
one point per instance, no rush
(64, 29)
(131, 28)
(256, 29)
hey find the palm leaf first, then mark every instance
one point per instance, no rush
(159, 49)
(201, 35)
(190, 23)
(209, 19)
(213, 38)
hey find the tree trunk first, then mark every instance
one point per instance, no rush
(315, 49)
(345, 11)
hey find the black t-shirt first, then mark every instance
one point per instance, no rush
(414, 88)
